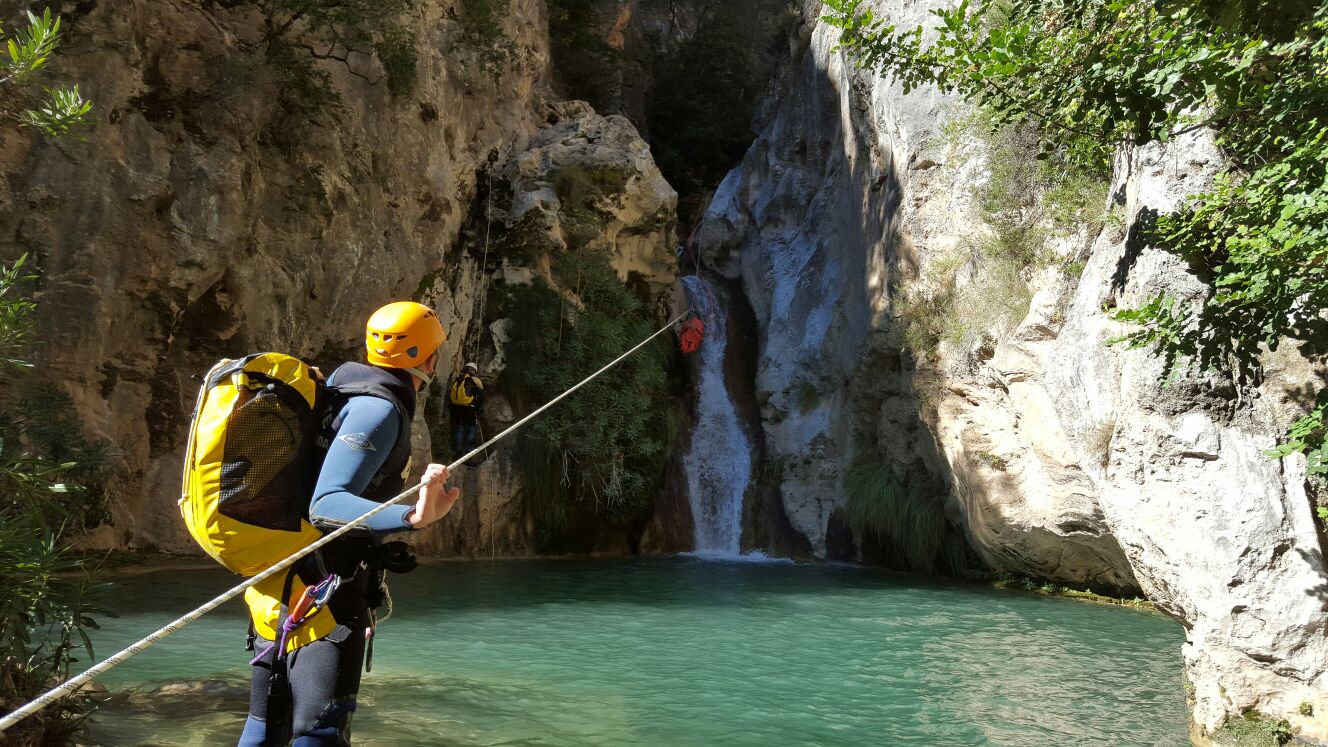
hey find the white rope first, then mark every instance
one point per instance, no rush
(74, 683)
(484, 265)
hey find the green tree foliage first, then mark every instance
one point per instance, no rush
(48, 492)
(62, 109)
(1134, 71)
(602, 449)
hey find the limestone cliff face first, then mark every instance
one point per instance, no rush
(1218, 535)
(581, 179)
(193, 224)
(1056, 455)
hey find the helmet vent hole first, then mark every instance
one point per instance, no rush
(413, 352)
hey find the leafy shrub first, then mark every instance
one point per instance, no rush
(602, 449)
(482, 29)
(301, 35)
(48, 479)
(63, 110)
(304, 91)
(483, 19)
(396, 52)
(1254, 729)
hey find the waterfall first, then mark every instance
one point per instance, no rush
(719, 464)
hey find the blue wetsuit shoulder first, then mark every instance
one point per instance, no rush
(365, 431)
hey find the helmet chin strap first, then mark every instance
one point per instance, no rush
(422, 376)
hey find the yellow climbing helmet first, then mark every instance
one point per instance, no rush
(403, 335)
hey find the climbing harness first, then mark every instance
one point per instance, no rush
(78, 681)
(311, 601)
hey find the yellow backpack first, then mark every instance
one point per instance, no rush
(461, 394)
(249, 471)
(251, 460)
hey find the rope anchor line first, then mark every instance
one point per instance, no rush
(78, 681)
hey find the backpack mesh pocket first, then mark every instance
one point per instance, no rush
(267, 468)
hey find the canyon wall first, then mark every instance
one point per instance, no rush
(1056, 455)
(224, 204)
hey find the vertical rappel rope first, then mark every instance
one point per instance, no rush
(482, 277)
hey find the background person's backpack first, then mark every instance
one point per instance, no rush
(252, 460)
(463, 392)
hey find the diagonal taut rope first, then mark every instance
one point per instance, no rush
(74, 683)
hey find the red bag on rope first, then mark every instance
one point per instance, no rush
(693, 330)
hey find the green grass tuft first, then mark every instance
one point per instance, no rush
(1028, 197)
(909, 528)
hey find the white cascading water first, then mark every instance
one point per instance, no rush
(719, 464)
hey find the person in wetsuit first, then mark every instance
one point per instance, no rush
(368, 456)
(465, 397)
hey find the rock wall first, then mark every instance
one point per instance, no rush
(583, 182)
(1219, 536)
(1057, 456)
(190, 225)
(810, 224)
